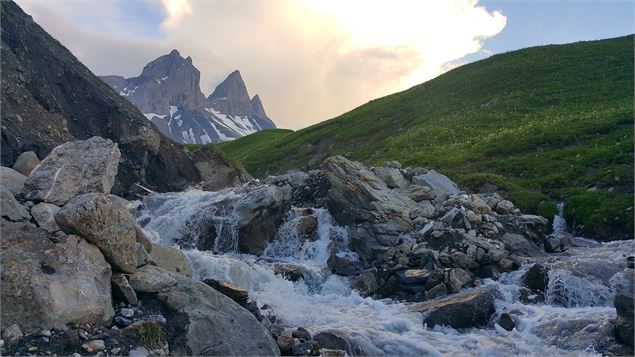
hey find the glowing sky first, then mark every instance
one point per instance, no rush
(312, 60)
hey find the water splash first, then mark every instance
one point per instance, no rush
(559, 223)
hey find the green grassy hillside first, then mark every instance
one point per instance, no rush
(545, 123)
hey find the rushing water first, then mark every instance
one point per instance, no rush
(573, 322)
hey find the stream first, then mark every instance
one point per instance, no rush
(574, 320)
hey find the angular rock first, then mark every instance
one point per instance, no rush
(213, 324)
(437, 291)
(122, 289)
(290, 272)
(413, 276)
(44, 215)
(307, 227)
(624, 321)
(48, 284)
(150, 279)
(232, 291)
(11, 208)
(516, 243)
(506, 321)
(94, 345)
(26, 162)
(456, 279)
(285, 343)
(217, 171)
(558, 242)
(440, 184)
(537, 277)
(170, 259)
(340, 340)
(343, 266)
(391, 176)
(417, 193)
(465, 310)
(11, 180)
(301, 333)
(365, 284)
(72, 169)
(105, 223)
(505, 207)
(477, 204)
(141, 254)
(12, 333)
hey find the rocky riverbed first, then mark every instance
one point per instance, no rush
(342, 260)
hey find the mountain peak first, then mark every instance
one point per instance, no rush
(256, 106)
(175, 52)
(233, 87)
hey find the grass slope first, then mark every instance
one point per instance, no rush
(545, 123)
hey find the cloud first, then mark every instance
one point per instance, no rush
(309, 60)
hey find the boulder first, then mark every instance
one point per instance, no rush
(417, 193)
(301, 333)
(344, 266)
(12, 180)
(392, 177)
(536, 278)
(232, 291)
(285, 343)
(340, 340)
(218, 172)
(211, 324)
(150, 279)
(440, 184)
(12, 333)
(506, 321)
(437, 291)
(105, 223)
(260, 212)
(557, 242)
(47, 284)
(518, 244)
(307, 227)
(170, 259)
(624, 321)
(505, 207)
(26, 162)
(11, 208)
(72, 169)
(412, 276)
(464, 310)
(365, 283)
(44, 215)
(477, 204)
(290, 272)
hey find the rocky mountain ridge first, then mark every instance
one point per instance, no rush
(168, 93)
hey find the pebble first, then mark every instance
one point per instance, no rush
(76, 355)
(1, 343)
(60, 328)
(158, 318)
(115, 351)
(45, 339)
(82, 335)
(126, 312)
(46, 333)
(94, 345)
(32, 349)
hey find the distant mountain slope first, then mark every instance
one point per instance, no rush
(545, 123)
(49, 97)
(168, 93)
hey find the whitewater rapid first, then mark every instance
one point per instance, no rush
(567, 325)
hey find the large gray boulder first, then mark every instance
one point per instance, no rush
(440, 184)
(213, 324)
(105, 223)
(464, 310)
(259, 213)
(26, 162)
(11, 180)
(72, 169)
(170, 259)
(45, 284)
(392, 177)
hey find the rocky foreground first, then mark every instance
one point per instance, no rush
(80, 275)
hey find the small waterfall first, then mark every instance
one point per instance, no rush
(559, 224)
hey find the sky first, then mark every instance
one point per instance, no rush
(311, 60)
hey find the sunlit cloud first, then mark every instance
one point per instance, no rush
(309, 60)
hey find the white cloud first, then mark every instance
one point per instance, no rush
(309, 60)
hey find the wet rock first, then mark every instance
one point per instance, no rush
(307, 348)
(558, 242)
(505, 207)
(122, 290)
(213, 324)
(44, 215)
(506, 321)
(260, 212)
(456, 279)
(26, 162)
(232, 291)
(624, 321)
(290, 272)
(365, 284)
(307, 227)
(536, 278)
(105, 223)
(464, 310)
(151, 279)
(516, 243)
(170, 259)
(94, 345)
(11, 180)
(301, 333)
(12, 333)
(343, 266)
(392, 177)
(11, 208)
(285, 343)
(47, 284)
(338, 340)
(527, 296)
(73, 169)
(326, 352)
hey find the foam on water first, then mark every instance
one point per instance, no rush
(386, 327)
